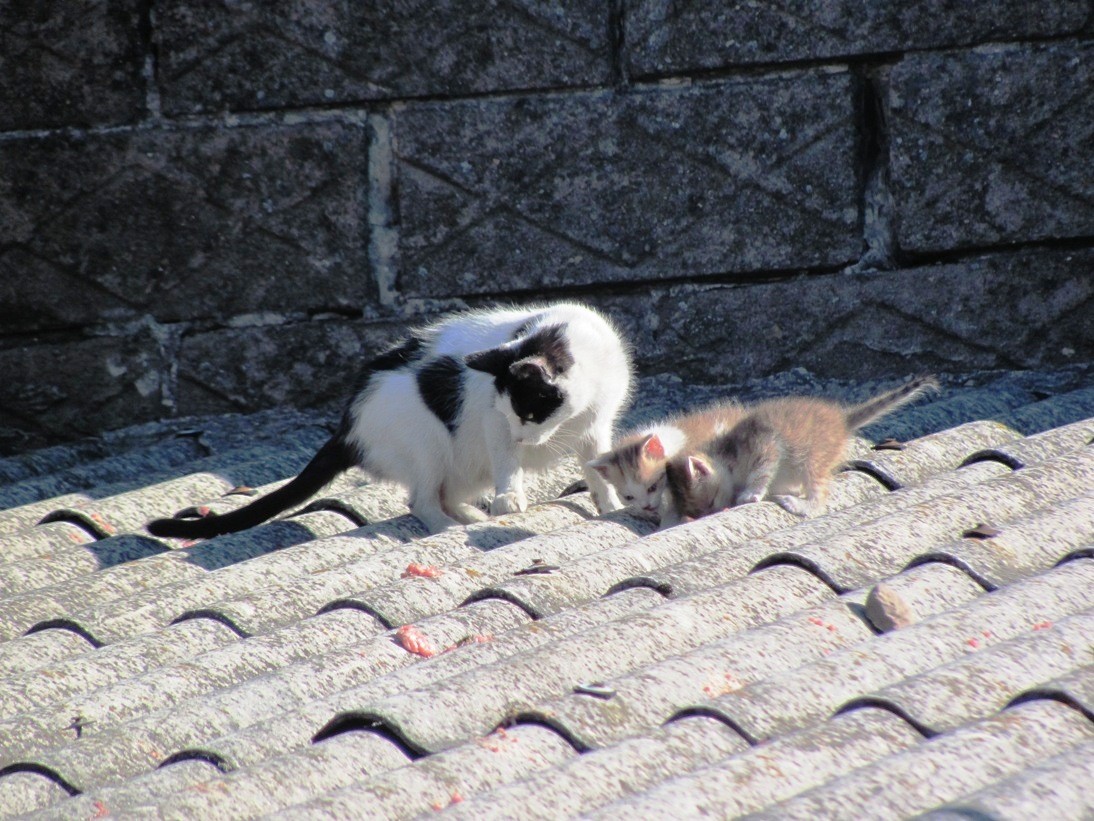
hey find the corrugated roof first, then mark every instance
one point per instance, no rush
(926, 646)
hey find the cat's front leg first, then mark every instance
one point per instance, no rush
(604, 494)
(505, 464)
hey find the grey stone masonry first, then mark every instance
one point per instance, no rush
(181, 224)
(208, 206)
(672, 36)
(70, 62)
(986, 145)
(533, 192)
(216, 55)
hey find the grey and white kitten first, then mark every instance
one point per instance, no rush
(784, 450)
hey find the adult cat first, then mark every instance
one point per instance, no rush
(462, 405)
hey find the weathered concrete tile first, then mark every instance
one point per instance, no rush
(70, 62)
(983, 154)
(217, 55)
(531, 192)
(665, 37)
(1008, 311)
(293, 365)
(55, 390)
(182, 224)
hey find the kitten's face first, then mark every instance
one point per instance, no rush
(641, 491)
(638, 475)
(694, 485)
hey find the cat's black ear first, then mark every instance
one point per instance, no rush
(495, 361)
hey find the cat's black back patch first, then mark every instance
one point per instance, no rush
(440, 384)
(399, 356)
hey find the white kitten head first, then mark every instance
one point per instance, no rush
(637, 471)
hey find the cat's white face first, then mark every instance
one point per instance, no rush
(531, 428)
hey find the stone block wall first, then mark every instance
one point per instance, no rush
(218, 205)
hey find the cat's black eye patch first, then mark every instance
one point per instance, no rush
(440, 384)
(652, 488)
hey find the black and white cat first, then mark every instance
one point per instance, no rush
(464, 405)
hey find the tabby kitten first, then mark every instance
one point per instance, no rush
(784, 450)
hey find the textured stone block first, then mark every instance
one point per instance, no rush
(182, 224)
(993, 146)
(525, 193)
(296, 365)
(70, 62)
(1033, 310)
(216, 55)
(62, 390)
(669, 36)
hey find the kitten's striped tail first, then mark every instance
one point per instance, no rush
(871, 409)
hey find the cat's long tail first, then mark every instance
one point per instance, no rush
(333, 458)
(871, 409)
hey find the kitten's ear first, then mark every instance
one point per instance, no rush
(532, 367)
(653, 448)
(697, 468)
(494, 361)
(600, 465)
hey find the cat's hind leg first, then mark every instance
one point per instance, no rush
(427, 505)
(813, 503)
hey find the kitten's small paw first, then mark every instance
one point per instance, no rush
(511, 502)
(793, 504)
(748, 498)
(606, 502)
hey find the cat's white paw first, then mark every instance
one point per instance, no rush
(748, 498)
(511, 502)
(793, 504)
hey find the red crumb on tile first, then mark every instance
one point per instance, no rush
(974, 643)
(414, 641)
(817, 621)
(1042, 625)
(831, 628)
(455, 798)
(721, 688)
(424, 571)
(189, 542)
(101, 810)
(204, 510)
(73, 536)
